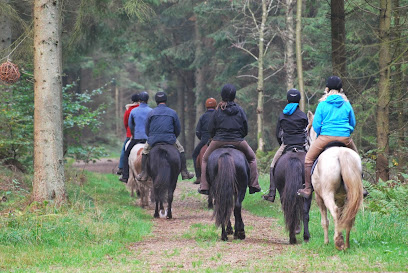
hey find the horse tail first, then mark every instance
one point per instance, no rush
(350, 168)
(224, 189)
(291, 204)
(163, 172)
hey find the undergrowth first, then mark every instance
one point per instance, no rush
(99, 221)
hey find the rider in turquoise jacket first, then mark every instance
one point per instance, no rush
(334, 117)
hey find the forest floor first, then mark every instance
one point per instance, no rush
(187, 242)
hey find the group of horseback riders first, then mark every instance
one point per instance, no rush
(226, 123)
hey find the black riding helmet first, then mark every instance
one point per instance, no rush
(144, 96)
(160, 97)
(293, 95)
(135, 97)
(334, 82)
(228, 92)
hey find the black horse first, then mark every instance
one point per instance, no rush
(289, 177)
(228, 175)
(164, 166)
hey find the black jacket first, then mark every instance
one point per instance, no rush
(202, 126)
(230, 124)
(292, 128)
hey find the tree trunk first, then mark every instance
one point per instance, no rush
(260, 85)
(190, 115)
(180, 108)
(338, 32)
(200, 90)
(398, 87)
(382, 169)
(48, 181)
(117, 111)
(5, 31)
(289, 43)
(299, 54)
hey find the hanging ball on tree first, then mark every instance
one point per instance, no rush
(9, 72)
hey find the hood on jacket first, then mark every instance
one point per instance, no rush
(290, 108)
(131, 104)
(335, 100)
(231, 109)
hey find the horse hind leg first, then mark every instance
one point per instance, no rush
(324, 220)
(169, 203)
(338, 236)
(239, 224)
(230, 231)
(156, 211)
(348, 237)
(224, 235)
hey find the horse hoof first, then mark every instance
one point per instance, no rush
(292, 241)
(169, 217)
(156, 215)
(230, 231)
(239, 235)
(163, 213)
(225, 239)
(298, 230)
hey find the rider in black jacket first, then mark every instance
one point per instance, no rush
(229, 126)
(290, 130)
(202, 134)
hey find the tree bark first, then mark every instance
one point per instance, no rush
(260, 85)
(180, 108)
(5, 31)
(338, 39)
(382, 169)
(299, 54)
(398, 87)
(200, 90)
(289, 45)
(48, 183)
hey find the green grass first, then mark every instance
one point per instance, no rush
(378, 242)
(100, 221)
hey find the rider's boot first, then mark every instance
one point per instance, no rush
(272, 188)
(185, 174)
(143, 175)
(307, 191)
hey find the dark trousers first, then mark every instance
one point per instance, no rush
(132, 143)
(196, 153)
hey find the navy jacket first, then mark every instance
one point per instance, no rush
(230, 124)
(202, 126)
(293, 127)
(163, 125)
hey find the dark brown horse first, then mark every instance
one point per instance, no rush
(289, 177)
(228, 175)
(164, 166)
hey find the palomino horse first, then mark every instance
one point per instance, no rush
(338, 187)
(289, 177)
(135, 167)
(228, 175)
(164, 166)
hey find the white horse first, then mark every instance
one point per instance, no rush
(135, 167)
(337, 183)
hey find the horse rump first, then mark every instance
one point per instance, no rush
(350, 169)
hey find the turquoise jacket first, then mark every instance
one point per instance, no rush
(334, 117)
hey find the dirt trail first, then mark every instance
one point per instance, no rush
(175, 245)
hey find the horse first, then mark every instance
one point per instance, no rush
(228, 174)
(164, 166)
(289, 177)
(198, 162)
(337, 183)
(135, 167)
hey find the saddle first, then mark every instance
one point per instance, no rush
(229, 146)
(328, 146)
(294, 148)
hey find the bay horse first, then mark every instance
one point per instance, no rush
(144, 189)
(228, 175)
(337, 183)
(164, 166)
(289, 177)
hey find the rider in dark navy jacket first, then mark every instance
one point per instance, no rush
(163, 126)
(203, 134)
(290, 130)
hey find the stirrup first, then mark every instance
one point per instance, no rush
(186, 175)
(142, 177)
(303, 193)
